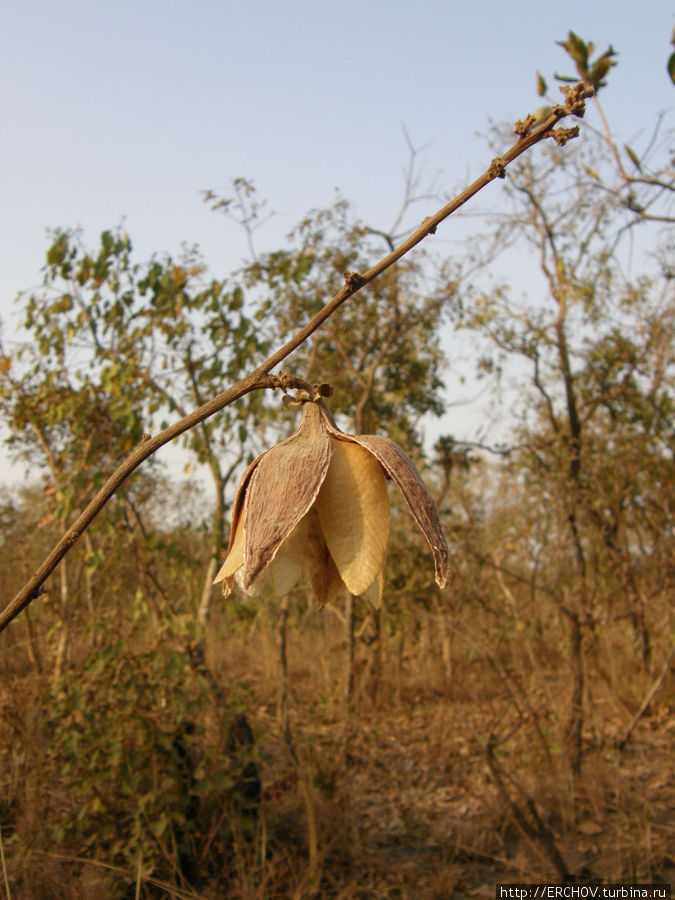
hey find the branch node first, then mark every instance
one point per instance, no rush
(562, 135)
(305, 390)
(146, 437)
(575, 95)
(522, 126)
(354, 280)
(432, 228)
(284, 381)
(497, 168)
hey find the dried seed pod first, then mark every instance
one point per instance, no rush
(316, 506)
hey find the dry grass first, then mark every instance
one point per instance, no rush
(396, 791)
(407, 803)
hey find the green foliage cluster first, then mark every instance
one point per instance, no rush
(140, 746)
(580, 52)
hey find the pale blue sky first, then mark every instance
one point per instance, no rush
(123, 112)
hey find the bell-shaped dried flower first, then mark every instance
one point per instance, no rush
(316, 506)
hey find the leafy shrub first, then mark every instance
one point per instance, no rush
(153, 770)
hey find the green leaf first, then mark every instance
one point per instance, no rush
(601, 67)
(671, 67)
(577, 50)
(237, 298)
(599, 70)
(57, 252)
(633, 155)
(542, 87)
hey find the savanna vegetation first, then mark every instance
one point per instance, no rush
(518, 725)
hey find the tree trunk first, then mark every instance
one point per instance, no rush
(282, 697)
(64, 633)
(204, 609)
(376, 663)
(89, 589)
(32, 647)
(574, 730)
(349, 675)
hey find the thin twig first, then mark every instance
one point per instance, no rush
(4, 868)
(170, 889)
(139, 879)
(648, 698)
(540, 833)
(260, 378)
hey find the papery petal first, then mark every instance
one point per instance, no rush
(281, 490)
(374, 593)
(291, 560)
(302, 554)
(235, 557)
(401, 469)
(326, 581)
(321, 570)
(353, 510)
(236, 528)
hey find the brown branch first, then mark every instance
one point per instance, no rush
(538, 831)
(648, 698)
(260, 377)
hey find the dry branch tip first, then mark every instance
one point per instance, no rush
(575, 97)
(574, 105)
